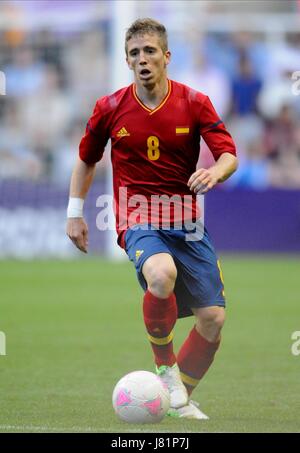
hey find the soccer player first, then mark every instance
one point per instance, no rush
(155, 125)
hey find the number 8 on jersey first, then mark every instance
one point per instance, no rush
(153, 148)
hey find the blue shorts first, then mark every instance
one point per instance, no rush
(199, 280)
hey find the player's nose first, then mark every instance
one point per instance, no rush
(142, 59)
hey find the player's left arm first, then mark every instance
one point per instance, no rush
(205, 179)
(221, 145)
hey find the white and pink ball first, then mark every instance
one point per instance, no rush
(141, 397)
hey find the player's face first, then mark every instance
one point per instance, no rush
(147, 59)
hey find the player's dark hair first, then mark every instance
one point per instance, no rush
(147, 26)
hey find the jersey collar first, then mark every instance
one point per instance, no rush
(150, 111)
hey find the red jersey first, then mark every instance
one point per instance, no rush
(154, 152)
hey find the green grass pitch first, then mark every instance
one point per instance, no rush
(74, 328)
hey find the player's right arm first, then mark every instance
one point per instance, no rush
(91, 149)
(81, 180)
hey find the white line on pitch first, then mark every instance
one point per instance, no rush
(74, 428)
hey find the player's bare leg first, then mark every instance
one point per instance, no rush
(160, 315)
(209, 322)
(160, 273)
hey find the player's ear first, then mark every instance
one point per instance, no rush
(129, 64)
(167, 57)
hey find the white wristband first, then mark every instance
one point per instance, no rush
(75, 207)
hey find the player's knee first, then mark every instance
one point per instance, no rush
(211, 324)
(216, 320)
(162, 281)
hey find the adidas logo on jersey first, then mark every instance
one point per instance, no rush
(123, 133)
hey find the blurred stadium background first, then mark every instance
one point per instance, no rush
(58, 57)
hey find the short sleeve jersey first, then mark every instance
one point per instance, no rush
(153, 152)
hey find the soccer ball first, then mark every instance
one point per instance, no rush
(141, 397)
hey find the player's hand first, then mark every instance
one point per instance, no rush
(203, 180)
(77, 230)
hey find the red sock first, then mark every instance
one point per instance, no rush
(194, 358)
(160, 316)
